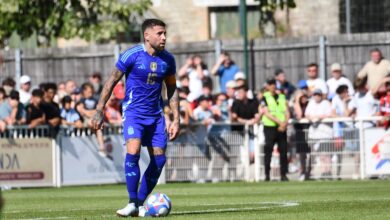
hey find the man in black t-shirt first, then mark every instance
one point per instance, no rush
(245, 111)
(50, 108)
(34, 114)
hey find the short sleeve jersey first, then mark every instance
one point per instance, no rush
(144, 76)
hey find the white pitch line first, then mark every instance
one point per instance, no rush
(63, 217)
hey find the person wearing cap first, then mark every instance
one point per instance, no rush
(24, 91)
(226, 69)
(275, 116)
(282, 84)
(320, 108)
(313, 81)
(337, 80)
(202, 113)
(230, 92)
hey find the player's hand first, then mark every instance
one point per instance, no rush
(97, 120)
(173, 130)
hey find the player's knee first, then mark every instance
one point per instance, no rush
(133, 146)
(158, 151)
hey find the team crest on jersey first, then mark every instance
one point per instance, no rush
(153, 66)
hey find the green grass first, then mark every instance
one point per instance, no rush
(314, 200)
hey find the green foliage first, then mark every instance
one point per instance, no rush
(88, 19)
(267, 9)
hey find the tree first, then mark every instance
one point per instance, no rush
(87, 19)
(267, 8)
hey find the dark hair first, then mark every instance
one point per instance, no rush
(376, 50)
(278, 71)
(149, 23)
(86, 85)
(360, 83)
(184, 89)
(312, 64)
(50, 85)
(2, 90)
(341, 89)
(226, 53)
(9, 82)
(37, 93)
(97, 75)
(184, 77)
(66, 99)
(14, 95)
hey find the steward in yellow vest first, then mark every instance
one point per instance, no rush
(275, 115)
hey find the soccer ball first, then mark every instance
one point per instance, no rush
(158, 205)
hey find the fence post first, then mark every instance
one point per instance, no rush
(117, 51)
(322, 57)
(246, 153)
(362, 147)
(257, 146)
(18, 67)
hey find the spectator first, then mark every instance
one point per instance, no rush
(230, 92)
(282, 84)
(86, 108)
(221, 109)
(112, 113)
(184, 105)
(366, 104)
(225, 69)
(3, 114)
(313, 82)
(337, 80)
(184, 82)
(61, 93)
(384, 106)
(375, 70)
(197, 73)
(119, 91)
(245, 111)
(240, 81)
(71, 90)
(50, 108)
(342, 106)
(35, 114)
(69, 115)
(8, 85)
(96, 80)
(300, 102)
(320, 133)
(24, 91)
(302, 85)
(274, 109)
(11, 111)
(202, 113)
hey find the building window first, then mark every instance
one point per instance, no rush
(366, 16)
(225, 22)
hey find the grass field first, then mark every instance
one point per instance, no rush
(274, 200)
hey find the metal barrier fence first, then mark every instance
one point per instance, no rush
(331, 149)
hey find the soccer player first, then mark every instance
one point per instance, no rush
(146, 67)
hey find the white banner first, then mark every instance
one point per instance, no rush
(82, 165)
(377, 151)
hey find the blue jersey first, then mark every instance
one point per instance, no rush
(144, 76)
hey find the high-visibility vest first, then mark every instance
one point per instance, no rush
(277, 108)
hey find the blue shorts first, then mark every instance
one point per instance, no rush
(151, 131)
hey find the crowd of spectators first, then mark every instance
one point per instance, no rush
(71, 104)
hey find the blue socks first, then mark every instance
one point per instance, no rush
(132, 173)
(150, 177)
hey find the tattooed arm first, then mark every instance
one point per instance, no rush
(173, 98)
(97, 120)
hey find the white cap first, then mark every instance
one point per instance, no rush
(24, 79)
(230, 84)
(335, 66)
(239, 75)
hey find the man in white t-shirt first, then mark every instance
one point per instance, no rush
(313, 82)
(337, 80)
(24, 91)
(366, 104)
(197, 72)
